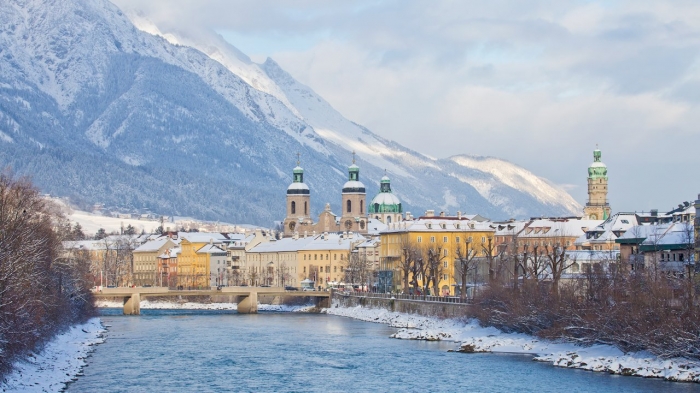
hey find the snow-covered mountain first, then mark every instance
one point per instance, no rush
(96, 109)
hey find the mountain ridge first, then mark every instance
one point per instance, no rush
(101, 111)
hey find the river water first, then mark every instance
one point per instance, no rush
(218, 351)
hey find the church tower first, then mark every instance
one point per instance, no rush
(354, 200)
(298, 204)
(385, 207)
(597, 207)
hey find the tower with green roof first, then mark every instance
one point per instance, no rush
(298, 203)
(385, 207)
(597, 207)
(354, 214)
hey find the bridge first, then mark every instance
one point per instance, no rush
(247, 305)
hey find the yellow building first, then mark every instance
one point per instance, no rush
(325, 258)
(441, 239)
(194, 269)
(147, 270)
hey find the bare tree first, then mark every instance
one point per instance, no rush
(407, 263)
(558, 261)
(464, 265)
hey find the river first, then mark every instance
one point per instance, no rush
(216, 351)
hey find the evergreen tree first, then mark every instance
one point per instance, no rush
(101, 234)
(77, 232)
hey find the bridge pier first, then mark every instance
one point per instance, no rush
(248, 304)
(322, 302)
(132, 304)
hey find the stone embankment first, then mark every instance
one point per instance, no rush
(407, 306)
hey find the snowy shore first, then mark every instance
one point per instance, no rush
(59, 363)
(471, 337)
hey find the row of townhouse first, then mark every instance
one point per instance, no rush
(641, 238)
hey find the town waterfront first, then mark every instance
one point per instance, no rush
(214, 351)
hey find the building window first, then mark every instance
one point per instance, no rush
(335, 257)
(470, 239)
(348, 206)
(444, 277)
(335, 269)
(419, 239)
(341, 269)
(444, 264)
(444, 253)
(304, 269)
(483, 239)
(457, 239)
(432, 239)
(444, 239)
(326, 256)
(294, 207)
(305, 209)
(362, 206)
(315, 257)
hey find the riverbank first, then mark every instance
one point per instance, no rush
(58, 363)
(470, 337)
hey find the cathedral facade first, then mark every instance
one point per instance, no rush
(353, 204)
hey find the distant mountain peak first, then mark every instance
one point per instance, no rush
(185, 124)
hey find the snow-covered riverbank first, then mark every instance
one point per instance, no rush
(59, 363)
(471, 337)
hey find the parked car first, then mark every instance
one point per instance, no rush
(290, 288)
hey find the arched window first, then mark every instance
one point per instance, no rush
(349, 206)
(388, 219)
(362, 206)
(305, 209)
(294, 207)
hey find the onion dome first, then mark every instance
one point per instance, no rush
(298, 186)
(354, 185)
(597, 170)
(385, 201)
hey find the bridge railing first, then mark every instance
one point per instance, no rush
(401, 296)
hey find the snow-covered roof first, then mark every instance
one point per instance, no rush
(386, 198)
(509, 228)
(287, 244)
(298, 186)
(332, 241)
(210, 249)
(439, 224)
(374, 227)
(552, 228)
(201, 237)
(91, 245)
(153, 245)
(354, 185)
(608, 230)
(170, 253)
(369, 243)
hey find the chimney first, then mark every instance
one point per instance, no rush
(430, 213)
(459, 215)
(442, 214)
(305, 233)
(654, 212)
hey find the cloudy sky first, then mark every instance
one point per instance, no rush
(538, 83)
